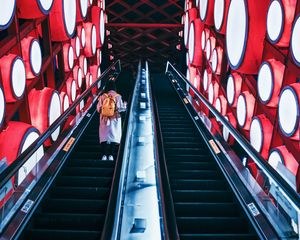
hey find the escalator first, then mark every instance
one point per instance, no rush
(75, 205)
(204, 204)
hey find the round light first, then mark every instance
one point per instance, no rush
(54, 113)
(102, 27)
(236, 32)
(275, 21)
(241, 110)
(208, 49)
(203, 9)
(83, 40)
(186, 28)
(66, 102)
(256, 134)
(288, 111)
(265, 82)
(35, 57)
(99, 72)
(230, 91)
(81, 105)
(94, 39)
(85, 66)
(73, 91)
(18, 77)
(218, 105)
(79, 77)
(187, 58)
(275, 158)
(2, 106)
(219, 8)
(83, 8)
(211, 93)
(69, 10)
(295, 43)
(7, 10)
(45, 4)
(214, 60)
(206, 80)
(77, 46)
(225, 131)
(71, 57)
(203, 39)
(192, 42)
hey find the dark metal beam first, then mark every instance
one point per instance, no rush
(144, 25)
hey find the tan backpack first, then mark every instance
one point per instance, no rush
(108, 105)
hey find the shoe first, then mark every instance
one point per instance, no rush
(110, 158)
(104, 158)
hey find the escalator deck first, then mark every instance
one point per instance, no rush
(204, 204)
(75, 205)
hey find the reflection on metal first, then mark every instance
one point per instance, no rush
(138, 207)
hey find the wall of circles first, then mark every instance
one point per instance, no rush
(244, 57)
(50, 52)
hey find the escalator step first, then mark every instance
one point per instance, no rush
(84, 181)
(46, 234)
(75, 162)
(190, 165)
(211, 196)
(194, 174)
(188, 184)
(80, 192)
(221, 236)
(88, 171)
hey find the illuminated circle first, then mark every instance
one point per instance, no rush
(219, 8)
(265, 82)
(83, 8)
(45, 5)
(94, 39)
(214, 60)
(66, 102)
(7, 11)
(73, 90)
(256, 134)
(206, 80)
(203, 9)
(91, 2)
(79, 77)
(2, 106)
(275, 21)
(218, 105)
(54, 113)
(208, 49)
(83, 40)
(102, 27)
(295, 43)
(84, 66)
(35, 57)
(236, 32)
(77, 46)
(230, 91)
(241, 110)
(187, 58)
(99, 72)
(275, 158)
(211, 93)
(288, 109)
(203, 39)
(18, 77)
(69, 12)
(186, 28)
(192, 42)
(81, 105)
(71, 57)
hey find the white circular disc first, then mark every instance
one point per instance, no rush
(2, 106)
(265, 82)
(85, 66)
(218, 105)
(100, 56)
(83, 8)
(275, 21)
(186, 28)
(81, 105)
(203, 5)
(211, 93)
(230, 90)
(83, 40)
(214, 60)
(7, 9)
(91, 2)
(192, 42)
(288, 110)
(79, 77)
(99, 72)
(236, 32)
(102, 27)
(77, 45)
(187, 58)
(274, 159)
(203, 40)
(188, 75)
(18, 77)
(54, 113)
(256, 134)
(295, 43)
(241, 110)
(71, 57)
(208, 49)
(73, 90)
(46, 5)
(36, 57)
(94, 40)
(91, 79)
(66, 102)
(69, 8)
(205, 80)
(219, 8)
(225, 131)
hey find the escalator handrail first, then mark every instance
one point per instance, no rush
(11, 170)
(170, 217)
(290, 193)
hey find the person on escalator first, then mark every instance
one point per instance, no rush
(109, 106)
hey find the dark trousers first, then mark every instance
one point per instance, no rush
(109, 148)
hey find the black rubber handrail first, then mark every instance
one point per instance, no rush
(11, 170)
(268, 170)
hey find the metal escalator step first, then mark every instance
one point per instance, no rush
(46, 234)
(91, 163)
(194, 174)
(188, 184)
(173, 165)
(88, 171)
(206, 196)
(80, 192)
(221, 236)
(84, 181)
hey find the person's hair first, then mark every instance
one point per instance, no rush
(110, 85)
